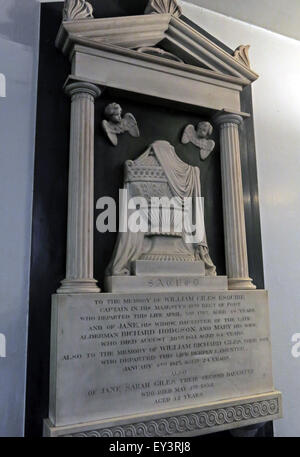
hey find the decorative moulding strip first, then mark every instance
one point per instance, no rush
(227, 415)
(190, 422)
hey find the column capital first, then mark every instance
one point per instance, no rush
(227, 118)
(82, 87)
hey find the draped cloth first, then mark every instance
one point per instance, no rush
(184, 182)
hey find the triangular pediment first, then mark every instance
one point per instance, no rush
(167, 32)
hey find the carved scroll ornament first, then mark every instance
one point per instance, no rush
(241, 54)
(164, 7)
(76, 10)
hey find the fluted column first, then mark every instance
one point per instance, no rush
(233, 203)
(79, 268)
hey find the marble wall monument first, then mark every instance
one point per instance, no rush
(166, 346)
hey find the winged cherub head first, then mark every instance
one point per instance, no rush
(115, 124)
(113, 113)
(204, 129)
(199, 136)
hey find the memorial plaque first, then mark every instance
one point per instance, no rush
(119, 355)
(173, 346)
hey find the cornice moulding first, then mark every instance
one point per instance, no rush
(184, 34)
(174, 35)
(128, 32)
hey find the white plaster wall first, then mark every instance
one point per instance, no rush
(277, 15)
(19, 30)
(277, 114)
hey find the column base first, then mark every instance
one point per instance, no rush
(241, 284)
(78, 286)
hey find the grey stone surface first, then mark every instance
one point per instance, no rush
(155, 283)
(148, 268)
(116, 355)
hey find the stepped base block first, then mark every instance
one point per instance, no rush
(78, 286)
(160, 363)
(149, 267)
(180, 283)
(241, 284)
(196, 421)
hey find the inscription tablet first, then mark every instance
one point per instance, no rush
(117, 355)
